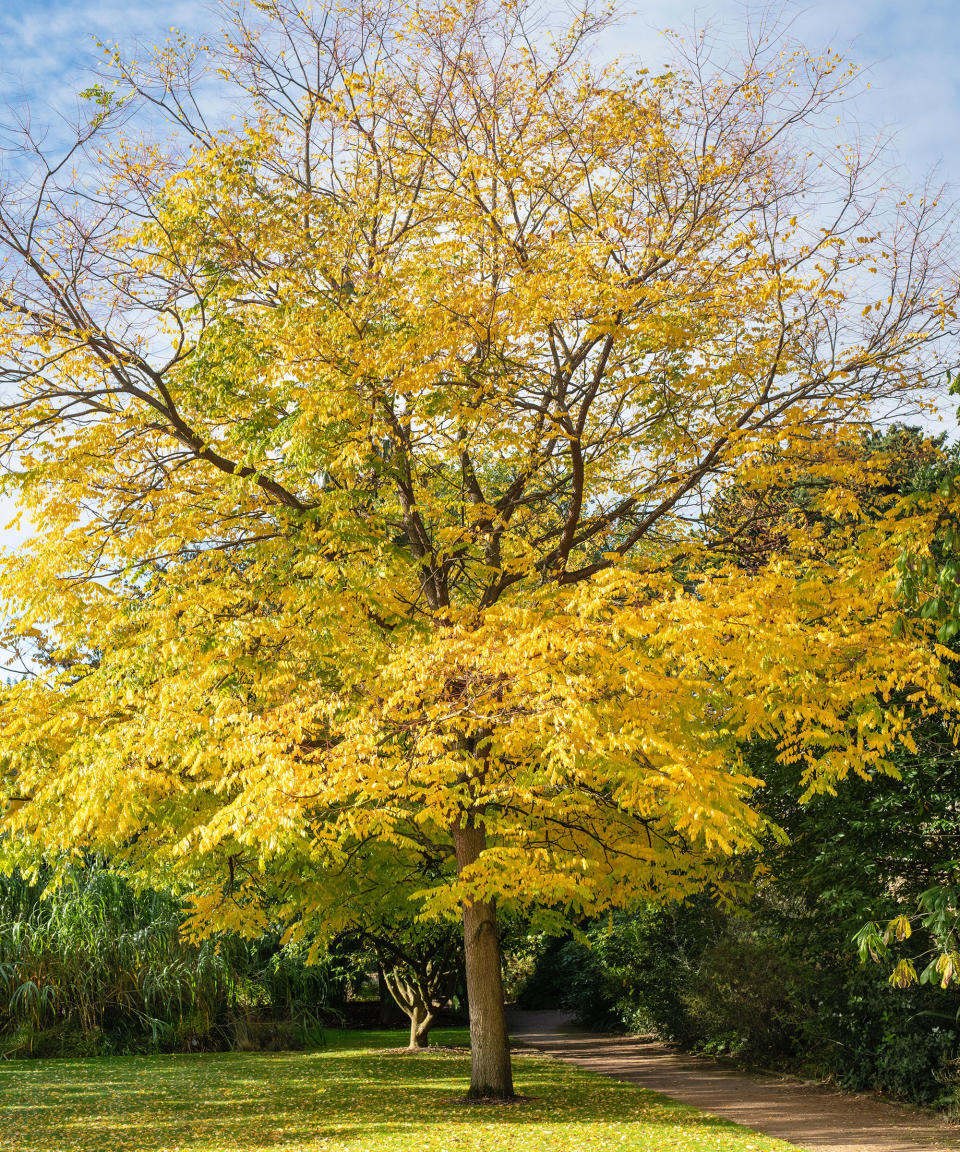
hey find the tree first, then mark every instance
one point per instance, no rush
(774, 973)
(371, 435)
(421, 966)
(368, 905)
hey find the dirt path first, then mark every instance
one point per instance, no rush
(809, 1115)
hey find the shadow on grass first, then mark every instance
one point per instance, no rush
(345, 1097)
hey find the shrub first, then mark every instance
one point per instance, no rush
(746, 996)
(91, 966)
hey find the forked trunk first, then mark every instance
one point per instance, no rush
(414, 998)
(420, 1021)
(491, 1074)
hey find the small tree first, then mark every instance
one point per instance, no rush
(371, 437)
(421, 967)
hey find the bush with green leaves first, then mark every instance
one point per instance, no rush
(627, 970)
(777, 980)
(90, 965)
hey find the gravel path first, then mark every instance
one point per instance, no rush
(808, 1115)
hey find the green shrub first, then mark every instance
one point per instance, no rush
(91, 966)
(747, 996)
(766, 988)
(627, 971)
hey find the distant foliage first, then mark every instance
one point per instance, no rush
(92, 966)
(777, 981)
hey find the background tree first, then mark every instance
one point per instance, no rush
(421, 966)
(370, 438)
(369, 905)
(772, 977)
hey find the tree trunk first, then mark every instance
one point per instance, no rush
(420, 1021)
(491, 1074)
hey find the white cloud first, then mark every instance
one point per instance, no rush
(909, 55)
(48, 48)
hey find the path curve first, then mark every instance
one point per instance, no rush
(809, 1115)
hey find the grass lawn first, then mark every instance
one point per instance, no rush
(349, 1097)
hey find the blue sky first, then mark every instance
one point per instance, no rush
(911, 51)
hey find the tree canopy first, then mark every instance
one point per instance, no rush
(371, 409)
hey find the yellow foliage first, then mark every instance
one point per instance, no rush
(374, 443)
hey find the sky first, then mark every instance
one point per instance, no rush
(909, 51)
(909, 48)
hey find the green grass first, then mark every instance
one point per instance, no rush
(349, 1097)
